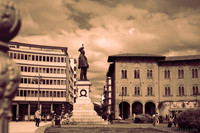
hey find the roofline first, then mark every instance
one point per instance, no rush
(36, 45)
(113, 57)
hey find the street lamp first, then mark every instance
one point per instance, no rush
(38, 82)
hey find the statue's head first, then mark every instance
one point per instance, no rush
(10, 21)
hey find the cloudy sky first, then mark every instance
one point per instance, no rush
(107, 27)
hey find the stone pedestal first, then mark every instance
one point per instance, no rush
(83, 109)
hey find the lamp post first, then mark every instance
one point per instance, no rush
(39, 79)
(122, 105)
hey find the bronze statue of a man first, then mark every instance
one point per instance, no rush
(83, 64)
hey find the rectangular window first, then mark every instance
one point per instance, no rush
(51, 59)
(167, 91)
(124, 91)
(124, 74)
(47, 58)
(40, 58)
(149, 74)
(195, 73)
(55, 59)
(44, 58)
(22, 56)
(58, 59)
(137, 91)
(22, 68)
(26, 57)
(62, 59)
(18, 56)
(136, 74)
(15, 56)
(29, 69)
(181, 91)
(36, 57)
(181, 73)
(11, 55)
(149, 91)
(33, 57)
(195, 90)
(167, 74)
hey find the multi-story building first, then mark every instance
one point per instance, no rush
(47, 80)
(73, 63)
(142, 83)
(107, 95)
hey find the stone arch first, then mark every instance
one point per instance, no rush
(150, 108)
(137, 108)
(124, 108)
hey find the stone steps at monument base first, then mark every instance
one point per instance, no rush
(83, 107)
(91, 123)
(83, 114)
(88, 120)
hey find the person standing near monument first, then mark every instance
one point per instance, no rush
(83, 64)
(37, 118)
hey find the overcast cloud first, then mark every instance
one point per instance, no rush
(107, 27)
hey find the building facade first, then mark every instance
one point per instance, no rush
(146, 84)
(47, 80)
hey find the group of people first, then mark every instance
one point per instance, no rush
(172, 120)
(38, 117)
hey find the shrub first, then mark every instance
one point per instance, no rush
(143, 118)
(189, 119)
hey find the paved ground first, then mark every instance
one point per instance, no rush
(27, 127)
(123, 127)
(113, 128)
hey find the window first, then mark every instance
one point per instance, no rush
(149, 74)
(58, 59)
(136, 74)
(194, 73)
(22, 56)
(180, 73)
(18, 56)
(51, 59)
(40, 58)
(36, 57)
(48, 58)
(149, 91)
(62, 59)
(137, 91)
(167, 91)
(167, 74)
(26, 57)
(29, 69)
(11, 55)
(44, 58)
(22, 68)
(181, 91)
(124, 91)
(54, 59)
(195, 90)
(15, 56)
(33, 57)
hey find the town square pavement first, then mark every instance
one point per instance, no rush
(29, 127)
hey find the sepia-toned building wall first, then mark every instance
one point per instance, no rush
(45, 70)
(141, 82)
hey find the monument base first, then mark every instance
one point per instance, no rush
(83, 109)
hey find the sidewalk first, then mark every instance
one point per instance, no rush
(27, 127)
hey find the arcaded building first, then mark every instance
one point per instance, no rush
(47, 80)
(146, 84)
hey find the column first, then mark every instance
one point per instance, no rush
(29, 109)
(17, 112)
(131, 113)
(143, 107)
(51, 107)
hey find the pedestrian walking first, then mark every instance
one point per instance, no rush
(37, 117)
(170, 122)
(52, 114)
